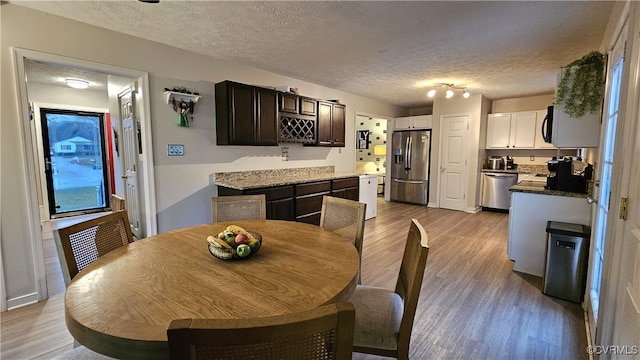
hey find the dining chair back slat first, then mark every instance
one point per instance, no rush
(81, 244)
(323, 333)
(238, 207)
(345, 217)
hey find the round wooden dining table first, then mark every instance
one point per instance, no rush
(121, 304)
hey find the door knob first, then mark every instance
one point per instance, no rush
(124, 176)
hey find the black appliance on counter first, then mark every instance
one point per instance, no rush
(563, 177)
(510, 165)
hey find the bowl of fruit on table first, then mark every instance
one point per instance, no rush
(234, 242)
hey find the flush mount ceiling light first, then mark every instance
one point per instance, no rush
(77, 83)
(449, 91)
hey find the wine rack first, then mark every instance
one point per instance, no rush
(297, 130)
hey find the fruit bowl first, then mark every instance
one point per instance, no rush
(228, 249)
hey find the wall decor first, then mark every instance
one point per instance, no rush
(183, 102)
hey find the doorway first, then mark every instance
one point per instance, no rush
(76, 165)
(32, 142)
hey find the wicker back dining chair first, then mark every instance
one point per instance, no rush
(323, 333)
(239, 207)
(345, 217)
(384, 317)
(81, 244)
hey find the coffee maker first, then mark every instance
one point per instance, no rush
(510, 165)
(567, 174)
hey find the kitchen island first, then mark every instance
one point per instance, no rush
(531, 207)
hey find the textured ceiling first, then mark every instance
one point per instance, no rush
(386, 50)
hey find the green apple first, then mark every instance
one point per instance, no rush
(231, 240)
(243, 250)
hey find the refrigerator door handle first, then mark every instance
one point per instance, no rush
(407, 161)
(408, 181)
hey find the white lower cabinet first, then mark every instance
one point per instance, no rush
(369, 194)
(528, 218)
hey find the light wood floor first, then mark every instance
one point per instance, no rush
(472, 305)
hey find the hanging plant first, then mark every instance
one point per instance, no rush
(581, 88)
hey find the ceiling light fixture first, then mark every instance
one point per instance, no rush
(77, 83)
(449, 90)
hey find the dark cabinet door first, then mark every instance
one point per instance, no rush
(288, 103)
(325, 111)
(308, 106)
(281, 209)
(242, 114)
(338, 125)
(348, 188)
(331, 124)
(266, 117)
(245, 115)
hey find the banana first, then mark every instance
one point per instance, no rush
(223, 243)
(219, 248)
(220, 252)
(212, 241)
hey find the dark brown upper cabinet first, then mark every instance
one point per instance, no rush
(295, 104)
(288, 103)
(246, 115)
(331, 124)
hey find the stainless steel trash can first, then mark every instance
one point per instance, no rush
(565, 272)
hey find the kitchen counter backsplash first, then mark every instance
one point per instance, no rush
(243, 180)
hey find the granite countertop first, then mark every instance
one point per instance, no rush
(244, 180)
(522, 169)
(538, 187)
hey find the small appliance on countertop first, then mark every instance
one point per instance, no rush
(510, 165)
(569, 174)
(495, 163)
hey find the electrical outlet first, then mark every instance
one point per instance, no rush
(532, 158)
(175, 150)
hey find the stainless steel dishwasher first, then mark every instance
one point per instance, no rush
(495, 189)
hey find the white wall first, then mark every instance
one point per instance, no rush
(183, 185)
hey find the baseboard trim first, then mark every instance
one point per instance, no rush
(588, 330)
(21, 301)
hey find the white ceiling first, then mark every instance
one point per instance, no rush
(386, 50)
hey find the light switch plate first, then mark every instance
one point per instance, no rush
(175, 150)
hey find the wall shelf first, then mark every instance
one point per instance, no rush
(178, 96)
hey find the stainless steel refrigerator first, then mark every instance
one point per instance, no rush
(410, 153)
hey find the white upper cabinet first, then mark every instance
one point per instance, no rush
(512, 130)
(413, 122)
(498, 131)
(523, 130)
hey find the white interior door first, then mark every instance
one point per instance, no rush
(453, 161)
(130, 148)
